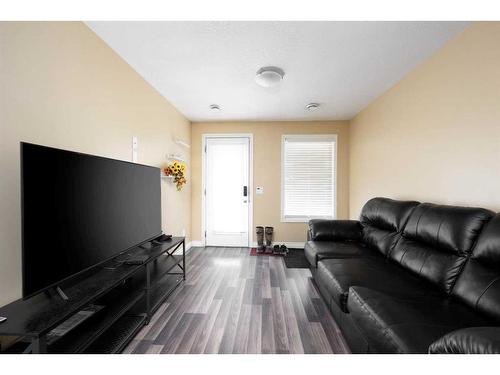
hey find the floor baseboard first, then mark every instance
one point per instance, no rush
(289, 244)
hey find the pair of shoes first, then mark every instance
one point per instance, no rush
(280, 249)
(284, 249)
(276, 249)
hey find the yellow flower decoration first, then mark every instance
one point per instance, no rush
(177, 170)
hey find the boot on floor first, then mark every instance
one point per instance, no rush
(259, 231)
(269, 238)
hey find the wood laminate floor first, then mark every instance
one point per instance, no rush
(232, 302)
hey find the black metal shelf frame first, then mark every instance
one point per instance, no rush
(159, 277)
(84, 336)
(116, 338)
(131, 294)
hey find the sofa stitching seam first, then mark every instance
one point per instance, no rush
(403, 225)
(391, 249)
(403, 255)
(459, 272)
(436, 241)
(418, 222)
(423, 263)
(373, 319)
(485, 290)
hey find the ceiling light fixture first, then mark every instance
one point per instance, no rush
(269, 76)
(312, 106)
(214, 107)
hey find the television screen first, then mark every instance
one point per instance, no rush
(80, 210)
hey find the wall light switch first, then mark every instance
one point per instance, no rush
(259, 190)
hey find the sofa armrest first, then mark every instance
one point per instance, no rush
(334, 230)
(474, 340)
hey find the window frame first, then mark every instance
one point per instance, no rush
(325, 137)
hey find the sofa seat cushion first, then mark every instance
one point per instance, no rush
(407, 324)
(472, 340)
(337, 275)
(317, 250)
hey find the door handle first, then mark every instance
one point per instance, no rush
(245, 191)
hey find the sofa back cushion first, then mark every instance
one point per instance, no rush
(334, 230)
(383, 220)
(479, 283)
(437, 240)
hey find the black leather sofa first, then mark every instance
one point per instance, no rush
(411, 277)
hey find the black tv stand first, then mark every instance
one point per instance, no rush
(130, 295)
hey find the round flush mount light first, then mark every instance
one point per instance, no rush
(214, 107)
(269, 76)
(312, 106)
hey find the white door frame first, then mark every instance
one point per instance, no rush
(204, 138)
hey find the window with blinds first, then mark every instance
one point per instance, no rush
(308, 177)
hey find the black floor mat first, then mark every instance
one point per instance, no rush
(296, 259)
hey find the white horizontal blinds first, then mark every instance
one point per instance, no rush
(308, 177)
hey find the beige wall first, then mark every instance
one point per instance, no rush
(62, 86)
(267, 170)
(435, 136)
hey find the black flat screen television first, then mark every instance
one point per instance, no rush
(79, 211)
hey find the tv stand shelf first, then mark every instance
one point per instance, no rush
(130, 294)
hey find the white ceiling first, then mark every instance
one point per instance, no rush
(341, 65)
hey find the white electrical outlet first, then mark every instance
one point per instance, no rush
(183, 233)
(135, 146)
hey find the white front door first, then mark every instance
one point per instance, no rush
(227, 191)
